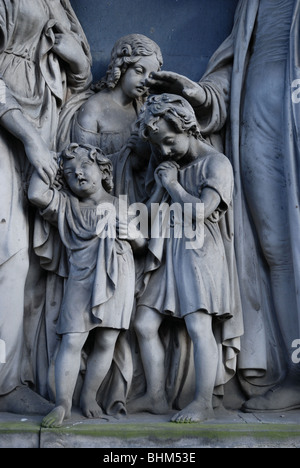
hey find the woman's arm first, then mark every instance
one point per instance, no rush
(70, 50)
(39, 192)
(171, 82)
(36, 149)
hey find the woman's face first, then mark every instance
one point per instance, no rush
(133, 80)
(170, 144)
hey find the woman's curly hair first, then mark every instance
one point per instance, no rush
(127, 51)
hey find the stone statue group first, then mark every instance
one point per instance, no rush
(149, 224)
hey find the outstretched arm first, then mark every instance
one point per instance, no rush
(209, 97)
(170, 82)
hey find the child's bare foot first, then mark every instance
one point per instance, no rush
(55, 418)
(195, 412)
(91, 409)
(148, 404)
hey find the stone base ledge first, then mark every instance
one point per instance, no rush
(235, 430)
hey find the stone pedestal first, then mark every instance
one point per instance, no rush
(154, 433)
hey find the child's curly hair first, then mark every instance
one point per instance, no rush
(174, 109)
(95, 155)
(127, 51)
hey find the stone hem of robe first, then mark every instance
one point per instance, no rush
(261, 365)
(228, 332)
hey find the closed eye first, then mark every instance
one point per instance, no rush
(169, 141)
(86, 163)
(139, 70)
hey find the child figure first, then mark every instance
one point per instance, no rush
(193, 284)
(107, 118)
(100, 286)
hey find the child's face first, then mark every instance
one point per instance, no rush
(170, 144)
(83, 176)
(133, 81)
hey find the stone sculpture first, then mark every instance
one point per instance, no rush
(107, 118)
(248, 82)
(43, 42)
(99, 291)
(231, 300)
(182, 281)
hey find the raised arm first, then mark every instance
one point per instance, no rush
(171, 82)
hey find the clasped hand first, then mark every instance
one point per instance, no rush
(42, 159)
(166, 174)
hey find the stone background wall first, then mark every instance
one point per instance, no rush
(188, 31)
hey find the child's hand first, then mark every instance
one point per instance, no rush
(167, 172)
(157, 178)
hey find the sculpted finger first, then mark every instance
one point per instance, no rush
(43, 175)
(164, 76)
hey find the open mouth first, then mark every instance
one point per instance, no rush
(82, 181)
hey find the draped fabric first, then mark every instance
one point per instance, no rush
(198, 279)
(38, 84)
(100, 284)
(226, 82)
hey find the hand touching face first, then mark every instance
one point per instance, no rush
(133, 81)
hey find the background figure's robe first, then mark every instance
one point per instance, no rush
(38, 83)
(261, 361)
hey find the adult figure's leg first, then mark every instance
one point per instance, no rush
(265, 185)
(15, 395)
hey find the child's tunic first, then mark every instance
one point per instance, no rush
(182, 281)
(100, 286)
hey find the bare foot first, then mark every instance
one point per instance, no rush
(148, 404)
(55, 418)
(91, 409)
(193, 413)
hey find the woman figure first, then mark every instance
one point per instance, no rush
(44, 58)
(107, 118)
